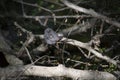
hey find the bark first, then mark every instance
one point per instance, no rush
(60, 70)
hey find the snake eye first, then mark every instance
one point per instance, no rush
(51, 36)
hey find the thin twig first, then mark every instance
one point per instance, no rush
(58, 17)
(91, 12)
(34, 5)
(29, 55)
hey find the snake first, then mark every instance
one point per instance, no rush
(50, 36)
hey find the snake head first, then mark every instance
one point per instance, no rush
(51, 37)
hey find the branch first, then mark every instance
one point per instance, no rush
(78, 28)
(13, 60)
(91, 12)
(86, 46)
(58, 17)
(60, 70)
